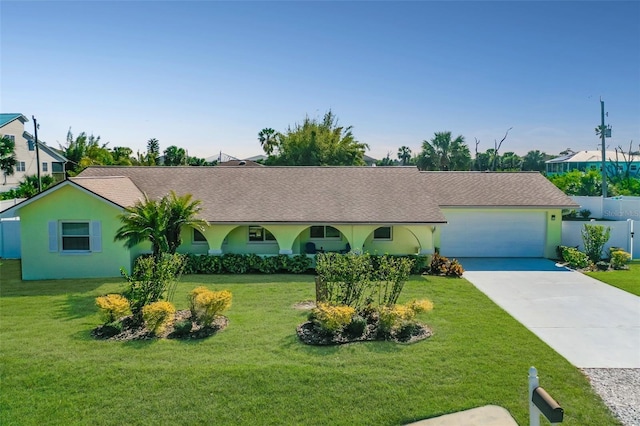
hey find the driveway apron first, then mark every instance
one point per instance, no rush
(590, 323)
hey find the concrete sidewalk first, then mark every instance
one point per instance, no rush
(591, 324)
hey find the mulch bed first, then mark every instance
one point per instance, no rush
(131, 331)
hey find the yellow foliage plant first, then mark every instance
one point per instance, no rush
(112, 307)
(206, 304)
(333, 318)
(158, 315)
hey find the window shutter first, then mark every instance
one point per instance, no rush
(96, 236)
(53, 236)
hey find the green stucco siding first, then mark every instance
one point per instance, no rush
(69, 204)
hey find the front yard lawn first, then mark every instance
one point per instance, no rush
(625, 280)
(257, 372)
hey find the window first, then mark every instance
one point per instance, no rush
(259, 234)
(12, 138)
(324, 232)
(45, 167)
(21, 166)
(75, 236)
(81, 236)
(382, 233)
(633, 167)
(198, 237)
(31, 144)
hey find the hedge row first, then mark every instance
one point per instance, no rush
(252, 263)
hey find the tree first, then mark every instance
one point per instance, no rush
(510, 161)
(318, 143)
(576, 182)
(267, 138)
(7, 157)
(28, 187)
(84, 151)
(182, 212)
(443, 153)
(174, 156)
(153, 152)
(387, 161)
(404, 155)
(159, 222)
(534, 161)
(594, 237)
(122, 156)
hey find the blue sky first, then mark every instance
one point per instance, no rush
(208, 76)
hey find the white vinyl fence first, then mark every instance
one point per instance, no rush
(10, 238)
(614, 208)
(621, 234)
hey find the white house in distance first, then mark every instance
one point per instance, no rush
(51, 162)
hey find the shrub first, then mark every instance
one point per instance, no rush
(575, 258)
(455, 269)
(206, 304)
(182, 327)
(332, 318)
(112, 307)
(298, 264)
(270, 265)
(356, 327)
(393, 318)
(419, 306)
(619, 259)
(594, 238)
(441, 265)
(585, 213)
(152, 280)
(234, 263)
(438, 265)
(158, 315)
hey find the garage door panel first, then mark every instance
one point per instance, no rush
(493, 234)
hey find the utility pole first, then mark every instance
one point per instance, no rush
(35, 131)
(603, 135)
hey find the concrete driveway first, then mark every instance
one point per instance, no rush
(591, 324)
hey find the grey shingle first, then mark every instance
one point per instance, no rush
(290, 194)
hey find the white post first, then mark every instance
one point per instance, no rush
(534, 413)
(630, 237)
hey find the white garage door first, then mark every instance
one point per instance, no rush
(493, 234)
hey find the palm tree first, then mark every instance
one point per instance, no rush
(404, 154)
(160, 222)
(534, 160)
(144, 221)
(267, 138)
(182, 211)
(443, 153)
(7, 157)
(511, 161)
(174, 156)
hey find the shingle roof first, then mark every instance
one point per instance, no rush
(498, 189)
(285, 194)
(590, 157)
(119, 190)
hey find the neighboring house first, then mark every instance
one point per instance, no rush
(51, 162)
(246, 163)
(592, 160)
(67, 230)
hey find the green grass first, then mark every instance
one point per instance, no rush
(628, 281)
(257, 372)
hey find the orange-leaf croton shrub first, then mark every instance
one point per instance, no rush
(206, 304)
(158, 315)
(112, 307)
